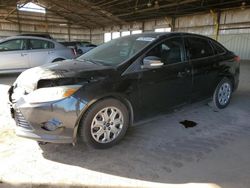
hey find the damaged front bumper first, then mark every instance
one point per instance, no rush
(49, 121)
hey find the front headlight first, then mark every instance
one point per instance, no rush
(51, 93)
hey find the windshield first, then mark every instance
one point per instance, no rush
(117, 51)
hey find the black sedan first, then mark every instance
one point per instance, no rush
(97, 96)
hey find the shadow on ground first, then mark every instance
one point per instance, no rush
(153, 150)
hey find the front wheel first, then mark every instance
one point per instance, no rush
(104, 124)
(222, 94)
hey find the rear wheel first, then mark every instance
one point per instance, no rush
(79, 51)
(58, 59)
(104, 124)
(222, 94)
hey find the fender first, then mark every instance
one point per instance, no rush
(230, 72)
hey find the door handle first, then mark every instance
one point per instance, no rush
(23, 54)
(183, 73)
(50, 52)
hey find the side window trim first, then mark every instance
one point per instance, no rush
(187, 52)
(183, 51)
(135, 67)
(24, 43)
(50, 44)
(213, 43)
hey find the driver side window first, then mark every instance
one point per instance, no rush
(15, 44)
(170, 51)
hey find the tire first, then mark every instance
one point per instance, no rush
(58, 59)
(222, 94)
(79, 52)
(99, 129)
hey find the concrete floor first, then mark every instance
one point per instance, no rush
(157, 153)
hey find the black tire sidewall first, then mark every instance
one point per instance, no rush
(215, 97)
(79, 51)
(58, 59)
(85, 124)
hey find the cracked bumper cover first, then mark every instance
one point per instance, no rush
(31, 118)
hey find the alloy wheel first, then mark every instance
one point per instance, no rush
(107, 125)
(224, 93)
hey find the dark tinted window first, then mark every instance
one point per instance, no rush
(218, 48)
(198, 47)
(40, 44)
(83, 44)
(15, 44)
(75, 43)
(170, 51)
(91, 45)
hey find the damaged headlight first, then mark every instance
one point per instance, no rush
(58, 82)
(51, 94)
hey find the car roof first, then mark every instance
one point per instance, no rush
(75, 42)
(43, 35)
(165, 34)
(57, 44)
(27, 37)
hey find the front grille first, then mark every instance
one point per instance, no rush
(20, 120)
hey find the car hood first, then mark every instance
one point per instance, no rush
(28, 79)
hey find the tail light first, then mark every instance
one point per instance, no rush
(237, 59)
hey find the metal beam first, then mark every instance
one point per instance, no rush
(173, 24)
(18, 21)
(106, 3)
(69, 35)
(153, 8)
(90, 22)
(185, 11)
(102, 12)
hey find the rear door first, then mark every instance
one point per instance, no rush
(204, 64)
(40, 51)
(169, 86)
(14, 55)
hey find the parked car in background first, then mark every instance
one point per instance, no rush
(101, 93)
(43, 35)
(86, 48)
(80, 47)
(22, 52)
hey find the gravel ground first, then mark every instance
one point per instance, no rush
(157, 153)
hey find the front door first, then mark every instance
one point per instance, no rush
(14, 55)
(170, 85)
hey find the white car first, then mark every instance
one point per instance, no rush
(22, 52)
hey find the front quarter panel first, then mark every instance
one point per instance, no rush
(123, 88)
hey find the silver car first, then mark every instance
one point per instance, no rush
(22, 52)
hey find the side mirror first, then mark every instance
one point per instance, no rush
(151, 62)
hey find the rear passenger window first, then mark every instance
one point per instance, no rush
(40, 44)
(218, 48)
(198, 47)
